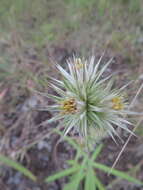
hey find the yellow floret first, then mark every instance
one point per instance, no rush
(117, 103)
(78, 63)
(69, 106)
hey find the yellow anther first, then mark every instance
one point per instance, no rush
(117, 103)
(69, 106)
(116, 100)
(78, 63)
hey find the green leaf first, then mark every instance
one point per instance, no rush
(61, 174)
(77, 177)
(117, 173)
(99, 184)
(97, 151)
(73, 163)
(17, 167)
(75, 181)
(90, 180)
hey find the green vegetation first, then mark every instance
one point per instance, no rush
(44, 21)
(82, 174)
(17, 166)
(29, 29)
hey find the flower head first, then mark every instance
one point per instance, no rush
(87, 104)
(69, 106)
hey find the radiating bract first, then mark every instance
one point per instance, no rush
(87, 104)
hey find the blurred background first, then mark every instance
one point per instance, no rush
(36, 33)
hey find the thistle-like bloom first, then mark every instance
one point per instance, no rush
(87, 104)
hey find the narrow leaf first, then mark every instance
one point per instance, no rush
(75, 182)
(17, 167)
(99, 184)
(117, 173)
(61, 174)
(97, 151)
(90, 180)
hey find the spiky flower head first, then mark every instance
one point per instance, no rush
(87, 104)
